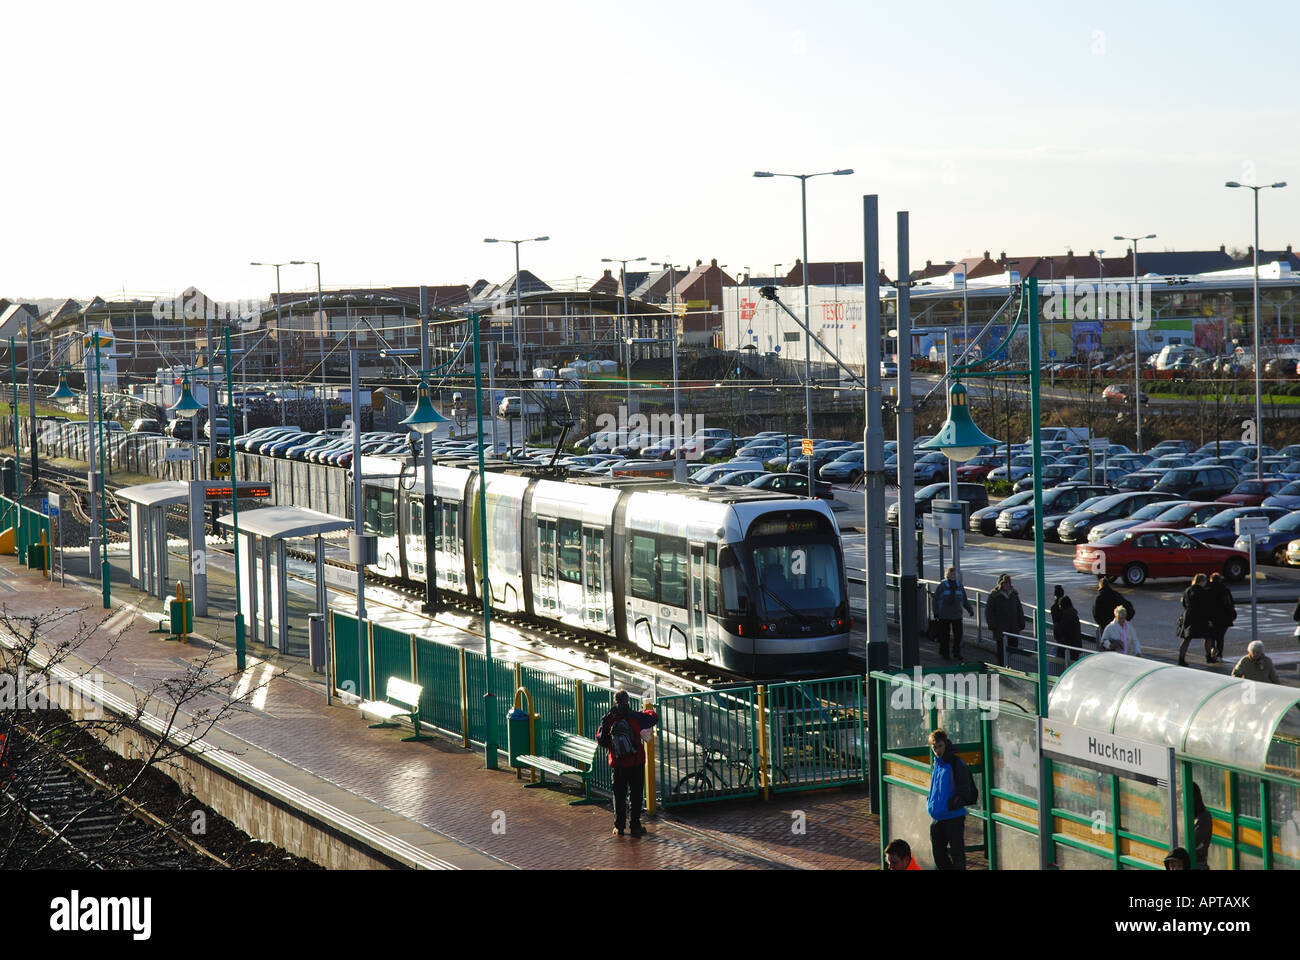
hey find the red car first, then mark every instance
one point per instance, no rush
(1251, 493)
(1138, 555)
(977, 469)
(1121, 393)
(1189, 514)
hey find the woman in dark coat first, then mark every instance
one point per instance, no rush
(1223, 611)
(1065, 625)
(1005, 615)
(1195, 621)
(1104, 604)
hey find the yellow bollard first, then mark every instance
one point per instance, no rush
(183, 636)
(651, 801)
(762, 741)
(45, 552)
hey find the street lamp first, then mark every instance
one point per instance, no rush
(279, 330)
(324, 330)
(62, 393)
(679, 468)
(95, 339)
(519, 318)
(424, 419)
(1259, 422)
(803, 179)
(626, 333)
(1137, 365)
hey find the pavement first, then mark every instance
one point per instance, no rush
(433, 799)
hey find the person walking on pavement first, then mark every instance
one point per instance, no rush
(951, 789)
(1223, 613)
(1203, 828)
(620, 734)
(1065, 625)
(1194, 622)
(1255, 666)
(1119, 635)
(1104, 604)
(947, 603)
(1005, 615)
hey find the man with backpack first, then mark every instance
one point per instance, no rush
(952, 790)
(620, 734)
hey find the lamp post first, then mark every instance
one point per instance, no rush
(959, 438)
(1259, 408)
(803, 179)
(95, 339)
(489, 698)
(679, 468)
(1137, 364)
(626, 334)
(279, 329)
(320, 308)
(519, 316)
(424, 419)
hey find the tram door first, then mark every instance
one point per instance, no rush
(547, 599)
(698, 620)
(593, 578)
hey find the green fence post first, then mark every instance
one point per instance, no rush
(1265, 827)
(990, 829)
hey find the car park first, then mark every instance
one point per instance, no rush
(1018, 521)
(1221, 528)
(973, 497)
(1198, 483)
(1251, 493)
(1138, 555)
(1148, 513)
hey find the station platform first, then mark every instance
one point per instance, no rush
(431, 804)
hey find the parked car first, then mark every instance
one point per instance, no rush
(1139, 555)
(846, 468)
(1221, 529)
(1150, 512)
(1054, 474)
(1121, 393)
(1018, 521)
(1139, 480)
(973, 496)
(1075, 527)
(795, 483)
(1188, 513)
(1198, 483)
(740, 478)
(1251, 493)
(146, 425)
(930, 468)
(977, 468)
(1271, 546)
(984, 520)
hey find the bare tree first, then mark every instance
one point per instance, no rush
(51, 674)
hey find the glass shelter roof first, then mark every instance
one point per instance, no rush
(1198, 713)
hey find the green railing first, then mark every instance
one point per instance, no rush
(817, 733)
(707, 746)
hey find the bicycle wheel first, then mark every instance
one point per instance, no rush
(694, 785)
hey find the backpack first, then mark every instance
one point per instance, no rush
(974, 796)
(623, 741)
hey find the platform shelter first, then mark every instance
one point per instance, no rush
(147, 525)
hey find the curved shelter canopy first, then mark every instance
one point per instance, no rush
(1196, 712)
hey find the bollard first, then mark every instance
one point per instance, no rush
(651, 798)
(762, 741)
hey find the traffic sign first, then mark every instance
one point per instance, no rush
(181, 454)
(53, 499)
(1051, 354)
(1251, 525)
(807, 447)
(221, 467)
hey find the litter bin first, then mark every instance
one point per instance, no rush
(36, 556)
(9, 476)
(516, 735)
(316, 638)
(182, 618)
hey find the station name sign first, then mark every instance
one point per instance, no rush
(1137, 759)
(247, 491)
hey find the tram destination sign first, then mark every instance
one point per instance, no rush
(247, 491)
(1135, 759)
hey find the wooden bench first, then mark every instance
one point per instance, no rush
(567, 746)
(401, 699)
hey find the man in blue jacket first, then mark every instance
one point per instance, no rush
(951, 788)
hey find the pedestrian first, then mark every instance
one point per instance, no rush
(1066, 630)
(1255, 666)
(1104, 604)
(1223, 613)
(947, 603)
(620, 734)
(1119, 635)
(1005, 615)
(1194, 621)
(1178, 860)
(1203, 828)
(951, 789)
(898, 856)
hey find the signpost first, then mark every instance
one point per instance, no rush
(53, 507)
(1139, 760)
(807, 446)
(1252, 527)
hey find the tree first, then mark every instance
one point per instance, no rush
(47, 660)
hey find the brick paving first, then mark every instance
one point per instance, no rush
(437, 791)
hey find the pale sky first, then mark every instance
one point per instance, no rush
(153, 146)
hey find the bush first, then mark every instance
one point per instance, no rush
(999, 488)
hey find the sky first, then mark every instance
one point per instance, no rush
(154, 146)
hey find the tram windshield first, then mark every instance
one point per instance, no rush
(800, 580)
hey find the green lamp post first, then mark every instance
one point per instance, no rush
(959, 438)
(62, 393)
(96, 339)
(424, 419)
(186, 406)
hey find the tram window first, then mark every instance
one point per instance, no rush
(643, 567)
(417, 518)
(372, 510)
(711, 580)
(594, 540)
(449, 541)
(672, 571)
(735, 599)
(546, 551)
(570, 539)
